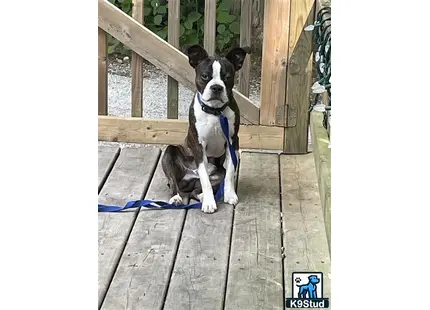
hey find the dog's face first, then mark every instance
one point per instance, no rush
(314, 279)
(215, 75)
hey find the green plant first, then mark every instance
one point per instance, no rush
(191, 22)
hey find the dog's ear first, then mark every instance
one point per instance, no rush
(237, 56)
(196, 53)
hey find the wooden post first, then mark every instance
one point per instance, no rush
(299, 77)
(103, 75)
(137, 68)
(210, 26)
(173, 38)
(245, 40)
(274, 62)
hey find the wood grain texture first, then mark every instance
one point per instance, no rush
(173, 38)
(245, 40)
(137, 130)
(304, 232)
(199, 277)
(299, 77)
(144, 271)
(255, 272)
(137, 68)
(210, 27)
(106, 159)
(322, 156)
(128, 180)
(159, 52)
(103, 73)
(274, 62)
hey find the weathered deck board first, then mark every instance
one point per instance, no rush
(255, 272)
(145, 268)
(106, 158)
(128, 180)
(199, 277)
(305, 241)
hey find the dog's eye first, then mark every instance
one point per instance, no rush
(227, 77)
(205, 76)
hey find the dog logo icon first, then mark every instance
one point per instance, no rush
(307, 289)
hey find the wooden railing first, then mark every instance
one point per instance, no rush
(281, 120)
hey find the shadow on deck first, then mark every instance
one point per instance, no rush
(236, 258)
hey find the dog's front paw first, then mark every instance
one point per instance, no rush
(209, 205)
(230, 197)
(176, 200)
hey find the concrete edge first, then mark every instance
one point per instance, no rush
(322, 157)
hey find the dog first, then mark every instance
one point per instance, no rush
(310, 288)
(204, 160)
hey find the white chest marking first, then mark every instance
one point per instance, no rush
(209, 129)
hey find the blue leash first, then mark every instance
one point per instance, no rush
(165, 205)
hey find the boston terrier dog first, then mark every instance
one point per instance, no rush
(203, 161)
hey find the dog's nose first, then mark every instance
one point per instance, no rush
(216, 89)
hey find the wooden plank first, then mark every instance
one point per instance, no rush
(173, 37)
(106, 159)
(303, 225)
(299, 77)
(245, 40)
(255, 272)
(274, 62)
(210, 26)
(200, 272)
(103, 73)
(144, 271)
(128, 180)
(159, 52)
(138, 130)
(322, 156)
(137, 68)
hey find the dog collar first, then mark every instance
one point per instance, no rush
(210, 110)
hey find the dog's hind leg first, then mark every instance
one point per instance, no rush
(173, 164)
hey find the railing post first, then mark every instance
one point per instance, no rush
(137, 68)
(103, 75)
(173, 38)
(210, 26)
(245, 40)
(299, 77)
(274, 62)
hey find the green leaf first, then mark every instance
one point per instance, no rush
(181, 30)
(188, 24)
(126, 7)
(191, 40)
(221, 28)
(162, 33)
(225, 18)
(224, 6)
(158, 19)
(194, 16)
(191, 32)
(234, 27)
(155, 3)
(121, 1)
(112, 1)
(147, 11)
(162, 9)
(111, 49)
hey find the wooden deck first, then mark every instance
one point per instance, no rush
(236, 258)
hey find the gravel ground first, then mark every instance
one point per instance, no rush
(154, 91)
